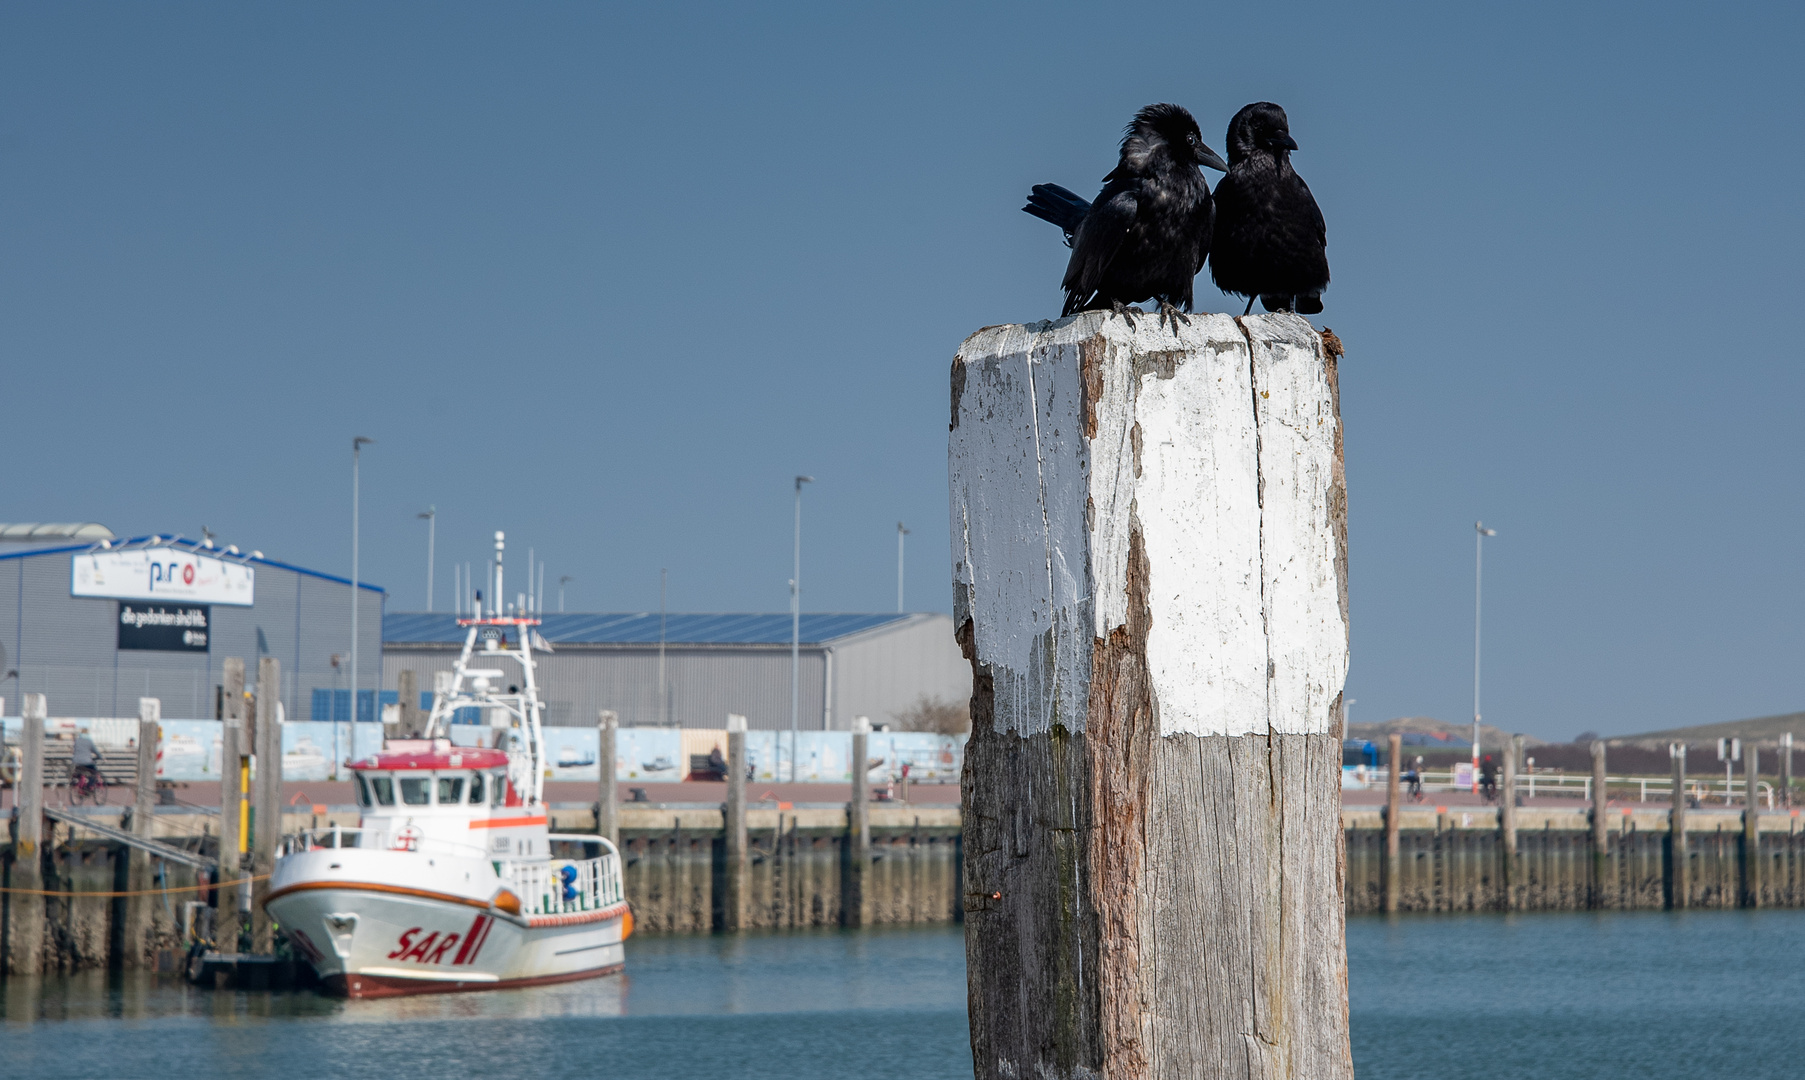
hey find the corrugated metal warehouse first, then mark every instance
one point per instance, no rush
(98, 622)
(851, 665)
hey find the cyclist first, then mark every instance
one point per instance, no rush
(1413, 778)
(85, 762)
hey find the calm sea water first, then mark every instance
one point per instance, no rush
(1631, 996)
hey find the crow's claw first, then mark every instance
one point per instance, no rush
(1126, 312)
(1170, 316)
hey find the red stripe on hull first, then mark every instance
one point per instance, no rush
(477, 926)
(382, 986)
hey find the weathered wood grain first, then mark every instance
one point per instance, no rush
(1150, 582)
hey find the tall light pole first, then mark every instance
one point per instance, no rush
(563, 581)
(432, 528)
(796, 625)
(357, 445)
(1480, 533)
(900, 533)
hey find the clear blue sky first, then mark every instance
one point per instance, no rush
(607, 277)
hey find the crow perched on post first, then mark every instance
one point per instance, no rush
(1270, 238)
(1147, 234)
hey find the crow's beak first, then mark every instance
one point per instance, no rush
(1285, 142)
(1213, 160)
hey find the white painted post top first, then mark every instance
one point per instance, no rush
(151, 709)
(736, 722)
(861, 723)
(33, 706)
(1214, 448)
(606, 718)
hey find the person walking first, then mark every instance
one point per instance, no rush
(1488, 779)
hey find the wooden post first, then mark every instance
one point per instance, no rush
(1786, 770)
(409, 722)
(135, 940)
(733, 905)
(607, 801)
(1751, 826)
(1149, 546)
(232, 750)
(1394, 808)
(25, 912)
(266, 798)
(1600, 822)
(1677, 854)
(854, 905)
(1507, 822)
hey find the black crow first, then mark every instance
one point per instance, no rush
(1148, 232)
(1270, 240)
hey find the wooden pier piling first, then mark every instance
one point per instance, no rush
(232, 750)
(1600, 823)
(1751, 825)
(1507, 825)
(1677, 856)
(607, 798)
(1149, 531)
(410, 722)
(735, 893)
(1394, 808)
(25, 929)
(266, 799)
(1786, 770)
(854, 903)
(135, 939)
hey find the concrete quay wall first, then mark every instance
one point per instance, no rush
(1450, 859)
(1454, 859)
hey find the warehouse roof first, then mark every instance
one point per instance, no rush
(641, 628)
(231, 554)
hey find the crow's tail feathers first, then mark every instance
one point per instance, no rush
(1050, 202)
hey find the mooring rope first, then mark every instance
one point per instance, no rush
(136, 892)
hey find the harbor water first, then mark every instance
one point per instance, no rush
(1628, 995)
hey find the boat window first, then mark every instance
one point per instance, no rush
(415, 790)
(363, 790)
(497, 788)
(451, 790)
(476, 789)
(383, 788)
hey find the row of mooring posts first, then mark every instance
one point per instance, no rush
(250, 818)
(1749, 887)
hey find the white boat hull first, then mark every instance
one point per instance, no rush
(369, 937)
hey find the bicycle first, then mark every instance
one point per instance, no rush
(87, 784)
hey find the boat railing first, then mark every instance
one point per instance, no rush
(408, 839)
(567, 886)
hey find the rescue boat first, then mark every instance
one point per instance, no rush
(453, 880)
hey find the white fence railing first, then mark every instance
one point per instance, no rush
(1702, 790)
(567, 886)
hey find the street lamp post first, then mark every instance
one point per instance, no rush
(900, 533)
(1480, 533)
(357, 445)
(563, 581)
(796, 625)
(432, 528)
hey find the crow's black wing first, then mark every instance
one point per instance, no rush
(1099, 237)
(1064, 208)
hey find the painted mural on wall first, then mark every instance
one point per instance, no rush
(319, 750)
